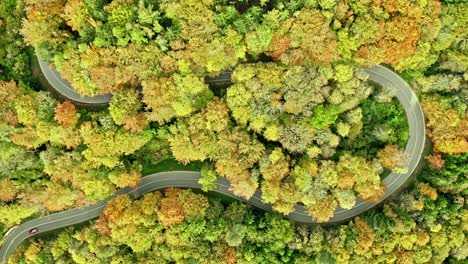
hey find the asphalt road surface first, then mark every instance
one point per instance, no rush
(394, 181)
(65, 89)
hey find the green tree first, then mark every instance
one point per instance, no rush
(107, 146)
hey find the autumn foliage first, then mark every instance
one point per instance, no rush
(66, 115)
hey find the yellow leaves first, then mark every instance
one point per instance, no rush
(393, 158)
(105, 146)
(178, 205)
(171, 211)
(217, 116)
(11, 215)
(58, 197)
(33, 250)
(370, 192)
(177, 96)
(362, 173)
(194, 205)
(76, 14)
(426, 190)
(276, 167)
(346, 181)
(447, 128)
(57, 135)
(157, 95)
(104, 77)
(323, 209)
(126, 178)
(136, 123)
(25, 108)
(7, 190)
(149, 203)
(245, 187)
(422, 238)
(27, 138)
(9, 93)
(239, 146)
(312, 40)
(366, 237)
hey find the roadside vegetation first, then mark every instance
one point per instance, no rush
(299, 122)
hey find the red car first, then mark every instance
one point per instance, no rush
(33, 231)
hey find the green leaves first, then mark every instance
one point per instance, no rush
(208, 178)
(324, 116)
(106, 146)
(452, 177)
(235, 234)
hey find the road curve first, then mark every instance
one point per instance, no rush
(394, 181)
(65, 89)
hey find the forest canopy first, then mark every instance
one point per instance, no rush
(298, 121)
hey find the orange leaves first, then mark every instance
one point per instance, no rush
(171, 208)
(282, 45)
(178, 205)
(9, 117)
(436, 162)
(66, 115)
(194, 205)
(104, 78)
(114, 211)
(9, 92)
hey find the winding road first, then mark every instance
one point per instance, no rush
(394, 181)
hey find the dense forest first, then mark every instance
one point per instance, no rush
(299, 121)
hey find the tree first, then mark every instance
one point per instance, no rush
(76, 14)
(123, 178)
(365, 176)
(443, 83)
(289, 106)
(7, 190)
(42, 26)
(178, 96)
(309, 37)
(66, 115)
(208, 178)
(393, 158)
(124, 109)
(450, 141)
(56, 197)
(11, 215)
(448, 178)
(106, 146)
(14, 59)
(206, 135)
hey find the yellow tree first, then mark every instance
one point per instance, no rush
(447, 128)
